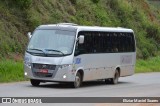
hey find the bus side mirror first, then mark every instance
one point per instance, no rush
(81, 39)
(29, 35)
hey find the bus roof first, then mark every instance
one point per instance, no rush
(75, 27)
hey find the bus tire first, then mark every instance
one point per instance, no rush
(114, 80)
(78, 81)
(35, 82)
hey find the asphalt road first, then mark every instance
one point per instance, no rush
(138, 85)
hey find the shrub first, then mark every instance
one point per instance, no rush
(74, 2)
(153, 31)
(22, 4)
(145, 53)
(95, 1)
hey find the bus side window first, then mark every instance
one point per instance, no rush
(76, 50)
(79, 49)
(132, 42)
(108, 42)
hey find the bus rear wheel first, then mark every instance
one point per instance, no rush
(78, 81)
(114, 80)
(35, 82)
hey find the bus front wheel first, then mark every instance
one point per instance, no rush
(35, 82)
(78, 81)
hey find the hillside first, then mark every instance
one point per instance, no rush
(17, 17)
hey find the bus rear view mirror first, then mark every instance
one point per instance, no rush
(29, 35)
(81, 39)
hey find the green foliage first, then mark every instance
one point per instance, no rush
(20, 16)
(149, 65)
(95, 1)
(145, 53)
(153, 30)
(23, 4)
(11, 71)
(74, 2)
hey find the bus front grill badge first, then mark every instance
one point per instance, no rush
(44, 66)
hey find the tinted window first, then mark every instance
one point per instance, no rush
(106, 42)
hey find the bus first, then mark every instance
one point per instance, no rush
(71, 53)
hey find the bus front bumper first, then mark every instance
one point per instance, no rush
(61, 75)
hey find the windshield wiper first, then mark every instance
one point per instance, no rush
(55, 51)
(44, 51)
(38, 50)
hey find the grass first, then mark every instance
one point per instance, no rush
(149, 65)
(11, 71)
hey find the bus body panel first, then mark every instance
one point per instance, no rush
(102, 66)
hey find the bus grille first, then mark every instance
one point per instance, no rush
(51, 68)
(37, 74)
(44, 66)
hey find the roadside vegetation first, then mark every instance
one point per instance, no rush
(11, 71)
(149, 65)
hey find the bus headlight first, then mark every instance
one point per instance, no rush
(64, 76)
(27, 61)
(65, 66)
(25, 73)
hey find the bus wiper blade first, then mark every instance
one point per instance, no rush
(55, 51)
(38, 50)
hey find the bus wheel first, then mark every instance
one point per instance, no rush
(78, 81)
(116, 77)
(35, 82)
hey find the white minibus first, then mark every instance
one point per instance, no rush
(67, 52)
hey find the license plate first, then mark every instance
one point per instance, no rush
(43, 71)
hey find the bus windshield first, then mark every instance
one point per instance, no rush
(52, 42)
